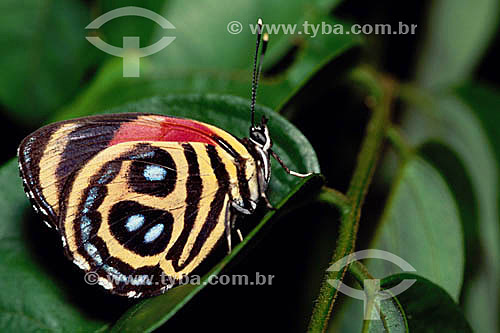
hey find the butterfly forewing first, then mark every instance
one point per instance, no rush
(49, 157)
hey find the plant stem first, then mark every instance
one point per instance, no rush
(334, 198)
(367, 161)
(403, 148)
(366, 78)
(359, 272)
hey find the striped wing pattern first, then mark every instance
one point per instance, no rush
(140, 214)
(155, 209)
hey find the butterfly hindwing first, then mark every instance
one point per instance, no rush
(153, 208)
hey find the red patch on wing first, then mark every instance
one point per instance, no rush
(169, 129)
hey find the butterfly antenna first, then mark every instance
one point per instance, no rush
(256, 71)
(265, 39)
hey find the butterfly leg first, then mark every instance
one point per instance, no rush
(266, 200)
(290, 172)
(229, 225)
(239, 235)
(238, 231)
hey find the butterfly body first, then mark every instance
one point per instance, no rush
(140, 194)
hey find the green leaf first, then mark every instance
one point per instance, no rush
(421, 224)
(457, 178)
(352, 313)
(392, 317)
(459, 31)
(428, 307)
(446, 119)
(30, 300)
(202, 63)
(424, 307)
(202, 31)
(113, 31)
(45, 55)
(314, 54)
(53, 289)
(484, 101)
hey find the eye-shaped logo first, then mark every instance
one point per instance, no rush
(371, 295)
(131, 51)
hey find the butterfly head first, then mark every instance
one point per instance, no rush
(259, 135)
(260, 143)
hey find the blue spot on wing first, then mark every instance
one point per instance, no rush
(154, 173)
(85, 228)
(134, 222)
(93, 252)
(153, 233)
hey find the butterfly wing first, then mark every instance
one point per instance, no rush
(141, 215)
(136, 196)
(49, 158)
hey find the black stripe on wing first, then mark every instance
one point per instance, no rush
(216, 205)
(29, 153)
(194, 190)
(92, 136)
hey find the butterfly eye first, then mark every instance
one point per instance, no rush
(258, 137)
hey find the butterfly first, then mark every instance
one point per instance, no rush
(143, 195)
